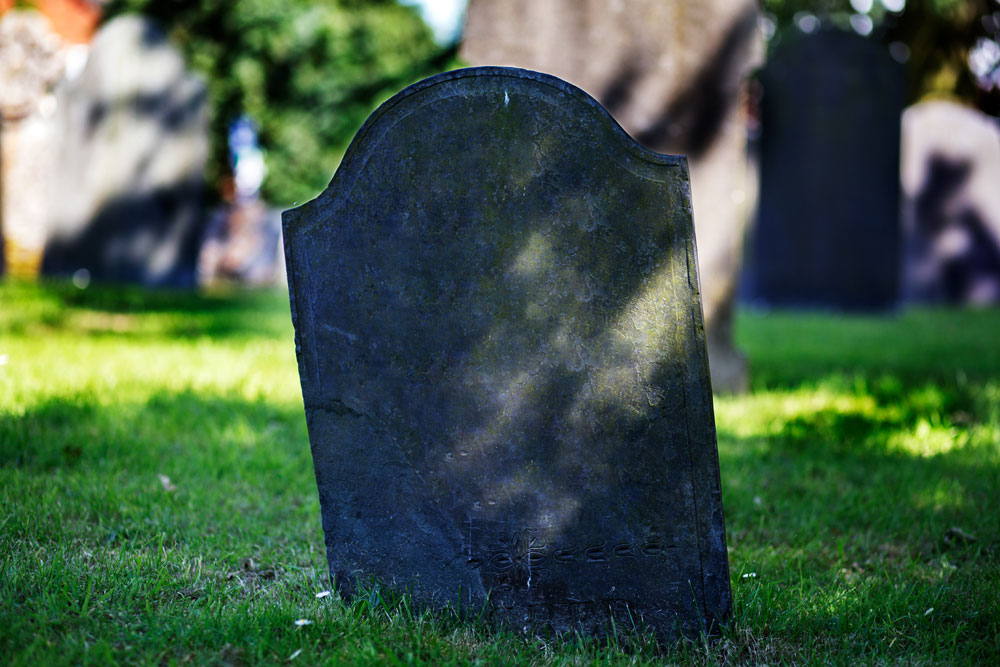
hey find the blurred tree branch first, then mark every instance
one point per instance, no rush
(939, 36)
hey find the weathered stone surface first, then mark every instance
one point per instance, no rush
(503, 363)
(828, 228)
(129, 177)
(951, 213)
(672, 72)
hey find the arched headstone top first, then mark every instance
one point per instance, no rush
(482, 87)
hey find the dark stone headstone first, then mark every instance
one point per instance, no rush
(502, 356)
(129, 179)
(951, 212)
(673, 73)
(828, 229)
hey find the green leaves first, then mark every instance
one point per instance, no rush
(938, 36)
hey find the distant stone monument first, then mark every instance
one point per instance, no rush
(828, 228)
(242, 243)
(951, 212)
(500, 343)
(130, 171)
(672, 73)
(31, 62)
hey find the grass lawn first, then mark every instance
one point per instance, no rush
(157, 500)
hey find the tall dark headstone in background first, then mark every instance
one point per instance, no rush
(127, 186)
(951, 211)
(672, 72)
(828, 227)
(502, 357)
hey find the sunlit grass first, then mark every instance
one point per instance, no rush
(158, 505)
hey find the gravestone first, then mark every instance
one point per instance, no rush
(32, 60)
(672, 73)
(828, 227)
(129, 177)
(951, 212)
(500, 343)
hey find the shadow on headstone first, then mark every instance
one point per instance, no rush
(672, 73)
(129, 182)
(828, 233)
(500, 343)
(951, 217)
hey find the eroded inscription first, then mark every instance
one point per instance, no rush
(522, 556)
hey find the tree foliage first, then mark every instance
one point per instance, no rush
(307, 72)
(939, 36)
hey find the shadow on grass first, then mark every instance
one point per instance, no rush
(216, 473)
(790, 349)
(862, 520)
(832, 472)
(209, 434)
(143, 313)
(835, 517)
(796, 490)
(886, 462)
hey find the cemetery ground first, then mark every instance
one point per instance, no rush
(158, 505)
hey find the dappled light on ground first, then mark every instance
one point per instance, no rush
(860, 479)
(922, 422)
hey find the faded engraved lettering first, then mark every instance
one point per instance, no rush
(520, 556)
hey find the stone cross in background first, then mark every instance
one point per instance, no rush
(672, 72)
(500, 343)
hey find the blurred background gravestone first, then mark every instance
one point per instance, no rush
(672, 73)
(130, 170)
(951, 213)
(32, 60)
(827, 233)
